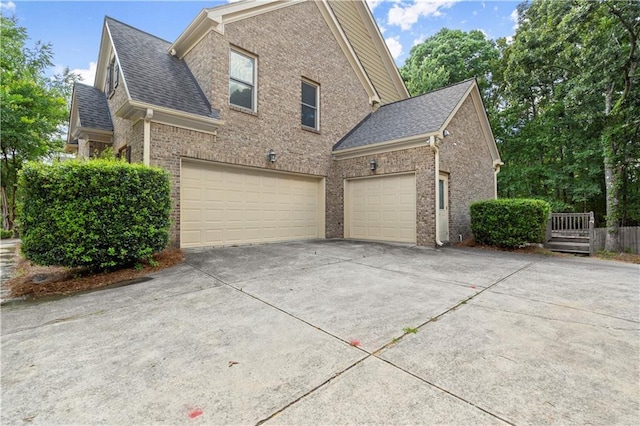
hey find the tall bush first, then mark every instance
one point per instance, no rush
(509, 222)
(97, 214)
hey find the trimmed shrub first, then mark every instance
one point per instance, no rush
(97, 214)
(509, 222)
(5, 233)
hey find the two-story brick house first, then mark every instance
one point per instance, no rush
(281, 120)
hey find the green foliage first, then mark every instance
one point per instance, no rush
(562, 97)
(33, 108)
(4, 234)
(509, 222)
(410, 330)
(448, 57)
(97, 214)
(570, 107)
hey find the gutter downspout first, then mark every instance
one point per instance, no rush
(496, 170)
(146, 147)
(434, 145)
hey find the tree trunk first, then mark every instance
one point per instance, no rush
(6, 222)
(611, 242)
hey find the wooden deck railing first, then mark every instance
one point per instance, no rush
(571, 225)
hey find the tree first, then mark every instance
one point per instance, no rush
(571, 102)
(448, 57)
(33, 108)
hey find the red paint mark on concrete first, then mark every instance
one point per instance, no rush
(354, 342)
(195, 413)
(472, 286)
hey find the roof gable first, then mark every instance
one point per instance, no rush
(364, 36)
(93, 111)
(368, 55)
(419, 116)
(151, 75)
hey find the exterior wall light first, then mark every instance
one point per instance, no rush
(373, 165)
(271, 156)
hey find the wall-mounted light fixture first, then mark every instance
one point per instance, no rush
(271, 156)
(445, 133)
(373, 165)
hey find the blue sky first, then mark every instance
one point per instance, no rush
(74, 27)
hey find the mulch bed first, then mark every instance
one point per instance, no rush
(39, 281)
(534, 249)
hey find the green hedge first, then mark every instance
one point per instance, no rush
(5, 233)
(97, 214)
(509, 222)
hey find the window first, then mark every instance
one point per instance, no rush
(242, 80)
(309, 105)
(113, 77)
(125, 153)
(116, 75)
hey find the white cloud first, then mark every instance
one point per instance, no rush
(88, 74)
(407, 15)
(419, 40)
(514, 17)
(382, 29)
(7, 7)
(373, 4)
(394, 45)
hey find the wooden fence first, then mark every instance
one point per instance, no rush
(629, 238)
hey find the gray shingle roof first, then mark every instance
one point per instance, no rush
(152, 75)
(410, 117)
(92, 107)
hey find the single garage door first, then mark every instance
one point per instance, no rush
(381, 208)
(225, 205)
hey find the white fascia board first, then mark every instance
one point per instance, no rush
(136, 111)
(408, 142)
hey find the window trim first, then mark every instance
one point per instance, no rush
(125, 153)
(253, 85)
(315, 85)
(112, 77)
(116, 75)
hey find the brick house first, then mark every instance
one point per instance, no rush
(283, 120)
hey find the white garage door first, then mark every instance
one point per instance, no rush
(225, 205)
(381, 208)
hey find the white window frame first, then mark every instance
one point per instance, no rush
(316, 107)
(254, 84)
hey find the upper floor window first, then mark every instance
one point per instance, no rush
(310, 116)
(113, 76)
(242, 80)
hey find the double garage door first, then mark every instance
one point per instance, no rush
(226, 205)
(381, 208)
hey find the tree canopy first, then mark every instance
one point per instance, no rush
(33, 108)
(562, 98)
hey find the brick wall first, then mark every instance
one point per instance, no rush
(419, 160)
(465, 156)
(121, 127)
(290, 43)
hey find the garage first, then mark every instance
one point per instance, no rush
(225, 205)
(381, 208)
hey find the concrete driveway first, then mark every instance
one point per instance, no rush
(266, 334)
